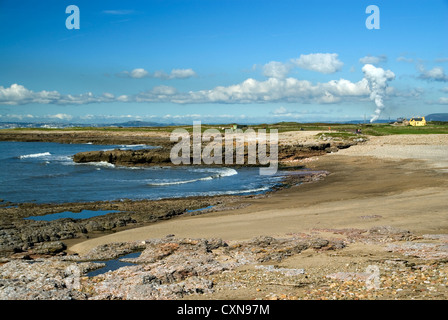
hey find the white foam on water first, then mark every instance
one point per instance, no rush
(35, 155)
(226, 172)
(214, 193)
(103, 164)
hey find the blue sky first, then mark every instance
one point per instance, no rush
(222, 61)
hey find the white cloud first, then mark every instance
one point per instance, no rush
(118, 12)
(435, 74)
(373, 59)
(320, 62)
(60, 116)
(280, 110)
(404, 59)
(164, 90)
(18, 95)
(275, 69)
(182, 73)
(140, 73)
(270, 90)
(444, 89)
(443, 100)
(18, 116)
(248, 91)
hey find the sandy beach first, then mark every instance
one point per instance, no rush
(378, 214)
(402, 178)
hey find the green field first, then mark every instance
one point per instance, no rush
(379, 129)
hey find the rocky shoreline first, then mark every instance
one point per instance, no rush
(35, 263)
(186, 268)
(28, 238)
(161, 156)
(100, 137)
(20, 237)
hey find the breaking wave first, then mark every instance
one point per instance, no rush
(103, 164)
(226, 173)
(35, 155)
(215, 193)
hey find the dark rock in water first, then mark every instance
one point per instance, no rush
(126, 157)
(162, 155)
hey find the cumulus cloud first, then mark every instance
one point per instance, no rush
(175, 74)
(17, 95)
(276, 88)
(270, 90)
(377, 79)
(320, 62)
(275, 69)
(373, 59)
(140, 73)
(248, 91)
(435, 74)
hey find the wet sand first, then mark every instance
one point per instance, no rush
(396, 181)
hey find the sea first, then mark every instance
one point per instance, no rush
(44, 172)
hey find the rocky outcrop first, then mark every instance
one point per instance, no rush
(101, 137)
(168, 268)
(21, 236)
(126, 157)
(161, 156)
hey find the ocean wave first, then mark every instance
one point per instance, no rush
(215, 193)
(103, 164)
(35, 155)
(227, 172)
(132, 145)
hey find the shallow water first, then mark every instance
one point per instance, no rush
(44, 172)
(83, 214)
(113, 264)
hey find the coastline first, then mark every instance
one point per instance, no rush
(380, 200)
(24, 238)
(389, 211)
(348, 193)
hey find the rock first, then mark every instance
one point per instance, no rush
(167, 268)
(49, 247)
(390, 233)
(347, 276)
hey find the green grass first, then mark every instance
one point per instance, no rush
(338, 130)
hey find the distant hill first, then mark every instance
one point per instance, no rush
(437, 117)
(138, 124)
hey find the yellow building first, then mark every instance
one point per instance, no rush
(417, 122)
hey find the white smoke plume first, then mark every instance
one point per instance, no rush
(377, 79)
